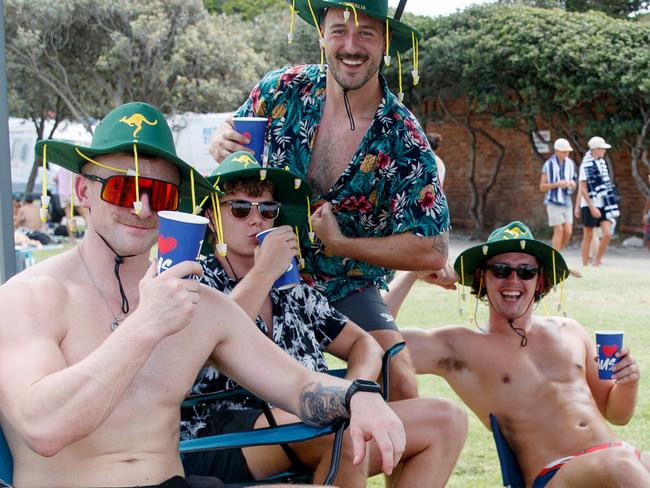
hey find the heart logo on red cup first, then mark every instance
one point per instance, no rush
(166, 244)
(609, 350)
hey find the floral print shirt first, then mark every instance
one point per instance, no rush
(390, 186)
(304, 325)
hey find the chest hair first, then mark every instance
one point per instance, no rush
(334, 147)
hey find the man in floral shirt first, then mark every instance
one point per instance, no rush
(378, 200)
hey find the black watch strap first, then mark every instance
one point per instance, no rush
(360, 385)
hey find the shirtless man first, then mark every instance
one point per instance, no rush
(88, 406)
(538, 375)
(379, 201)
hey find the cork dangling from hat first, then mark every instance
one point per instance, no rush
(400, 38)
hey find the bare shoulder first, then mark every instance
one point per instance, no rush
(456, 335)
(35, 296)
(564, 325)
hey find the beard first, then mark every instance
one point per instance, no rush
(346, 82)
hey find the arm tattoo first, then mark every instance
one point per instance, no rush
(320, 405)
(440, 244)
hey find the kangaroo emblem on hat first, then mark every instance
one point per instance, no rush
(245, 159)
(136, 121)
(515, 232)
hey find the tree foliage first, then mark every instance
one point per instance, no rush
(248, 9)
(82, 58)
(622, 9)
(577, 74)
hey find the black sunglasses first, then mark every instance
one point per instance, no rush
(502, 271)
(241, 209)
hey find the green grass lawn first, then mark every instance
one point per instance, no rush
(606, 297)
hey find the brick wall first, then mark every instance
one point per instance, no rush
(515, 194)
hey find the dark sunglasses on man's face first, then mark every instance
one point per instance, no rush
(120, 190)
(241, 209)
(502, 271)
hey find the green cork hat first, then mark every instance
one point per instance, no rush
(134, 124)
(291, 190)
(514, 237)
(402, 35)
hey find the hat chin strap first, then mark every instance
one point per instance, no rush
(118, 261)
(348, 108)
(511, 322)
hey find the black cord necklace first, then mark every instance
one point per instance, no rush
(118, 261)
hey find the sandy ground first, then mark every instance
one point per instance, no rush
(637, 259)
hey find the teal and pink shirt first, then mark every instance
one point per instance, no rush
(390, 186)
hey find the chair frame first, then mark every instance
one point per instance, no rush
(299, 471)
(6, 463)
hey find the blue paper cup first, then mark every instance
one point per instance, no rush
(608, 343)
(253, 128)
(291, 277)
(180, 238)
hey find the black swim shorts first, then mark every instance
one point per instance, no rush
(367, 309)
(590, 221)
(226, 464)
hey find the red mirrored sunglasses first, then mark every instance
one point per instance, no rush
(120, 190)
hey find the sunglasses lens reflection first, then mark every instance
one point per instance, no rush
(524, 271)
(241, 209)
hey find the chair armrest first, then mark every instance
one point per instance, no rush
(281, 434)
(339, 373)
(385, 362)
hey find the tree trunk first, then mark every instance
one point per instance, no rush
(39, 123)
(472, 211)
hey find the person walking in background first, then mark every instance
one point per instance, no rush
(598, 203)
(558, 181)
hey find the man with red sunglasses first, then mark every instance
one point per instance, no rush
(537, 375)
(93, 374)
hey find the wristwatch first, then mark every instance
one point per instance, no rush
(360, 385)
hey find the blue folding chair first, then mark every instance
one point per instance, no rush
(510, 470)
(281, 434)
(6, 463)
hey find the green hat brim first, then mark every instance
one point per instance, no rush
(475, 257)
(401, 39)
(64, 154)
